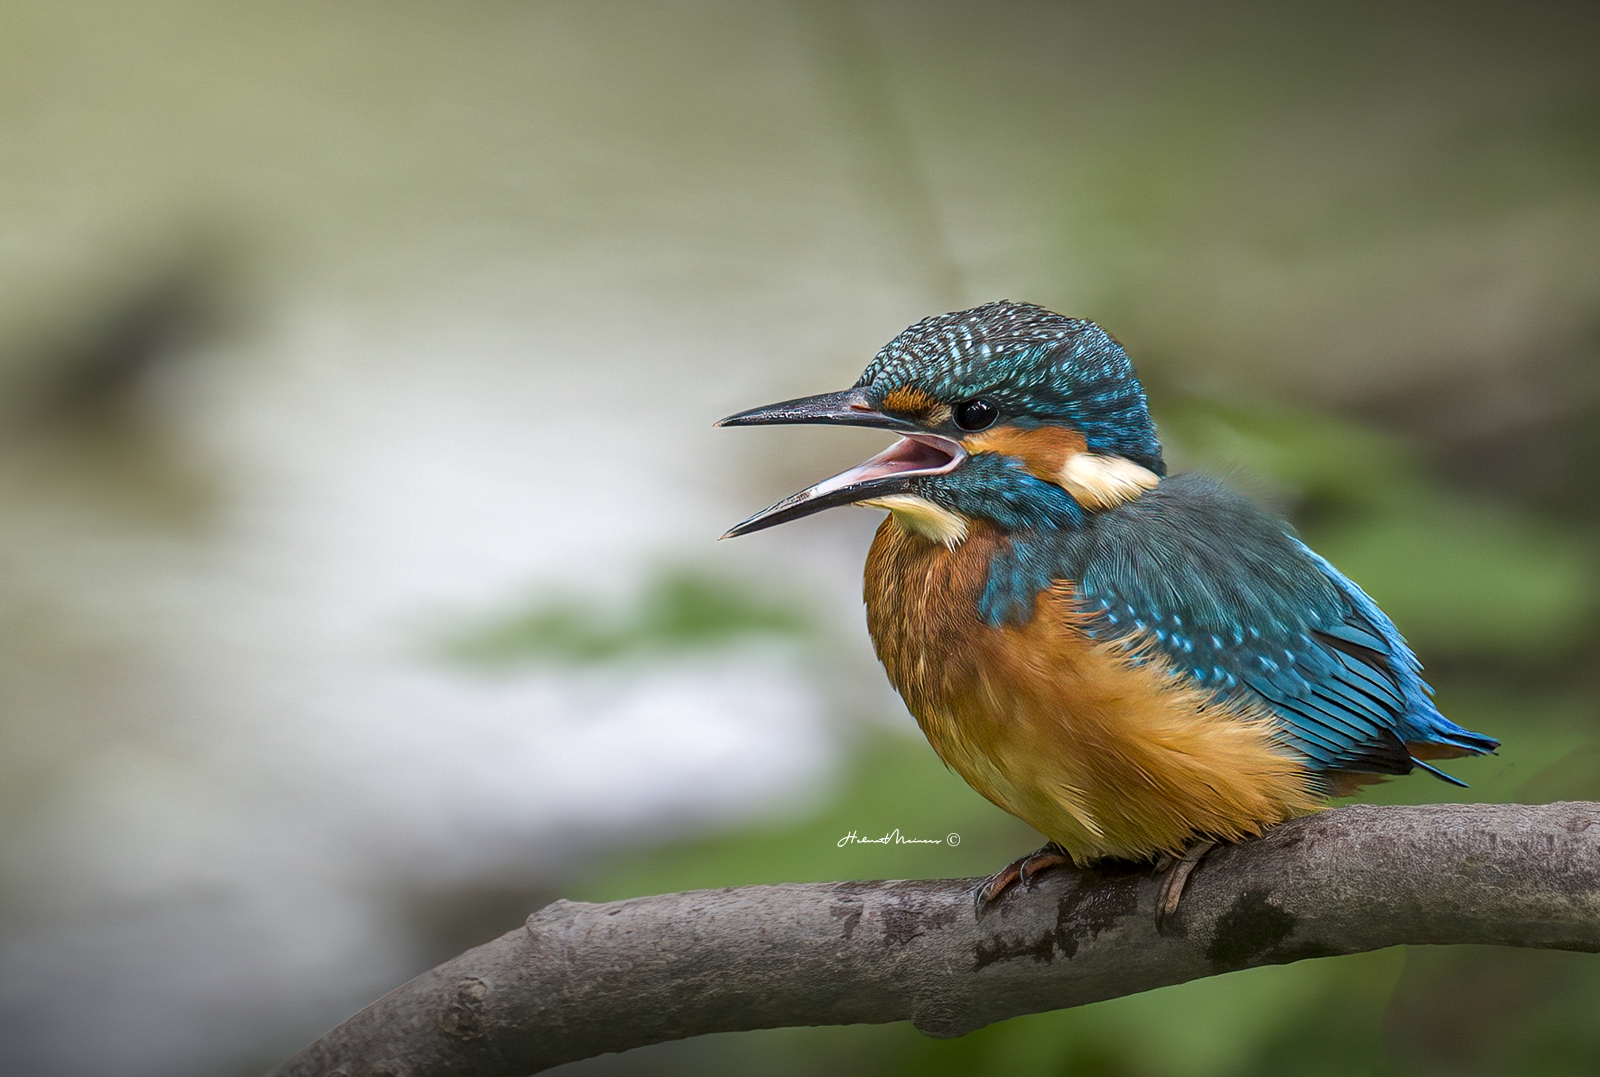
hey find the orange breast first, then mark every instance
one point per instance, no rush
(1106, 755)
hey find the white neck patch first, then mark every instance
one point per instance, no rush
(1099, 482)
(923, 517)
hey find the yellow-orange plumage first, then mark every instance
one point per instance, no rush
(1043, 450)
(1105, 756)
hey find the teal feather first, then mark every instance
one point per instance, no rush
(1236, 602)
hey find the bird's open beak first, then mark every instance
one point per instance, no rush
(916, 454)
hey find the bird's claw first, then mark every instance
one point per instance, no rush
(1020, 872)
(1177, 871)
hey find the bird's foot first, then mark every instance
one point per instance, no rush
(1177, 871)
(1019, 872)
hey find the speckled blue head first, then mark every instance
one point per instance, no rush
(1035, 365)
(994, 402)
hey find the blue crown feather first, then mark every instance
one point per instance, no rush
(1039, 366)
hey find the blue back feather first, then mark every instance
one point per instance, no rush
(1234, 600)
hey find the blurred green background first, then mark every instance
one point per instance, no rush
(358, 496)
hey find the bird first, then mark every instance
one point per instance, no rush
(1138, 665)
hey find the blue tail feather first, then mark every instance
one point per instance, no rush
(1420, 722)
(1437, 773)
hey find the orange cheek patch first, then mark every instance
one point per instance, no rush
(910, 403)
(1044, 450)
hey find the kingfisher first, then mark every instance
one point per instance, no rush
(1137, 665)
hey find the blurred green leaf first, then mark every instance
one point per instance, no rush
(678, 611)
(1469, 578)
(1301, 454)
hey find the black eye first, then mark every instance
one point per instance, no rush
(975, 414)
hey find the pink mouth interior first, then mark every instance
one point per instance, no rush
(913, 454)
(908, 454)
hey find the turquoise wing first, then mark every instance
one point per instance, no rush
(1235, 601)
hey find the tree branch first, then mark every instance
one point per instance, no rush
(580, 980)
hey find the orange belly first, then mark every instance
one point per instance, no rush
(1104, 755)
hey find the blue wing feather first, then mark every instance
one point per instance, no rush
(1420, 721)
(1225, 591)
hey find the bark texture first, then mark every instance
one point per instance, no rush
(580, 980)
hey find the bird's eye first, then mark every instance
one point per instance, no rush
(975, 414)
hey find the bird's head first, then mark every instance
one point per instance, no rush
(1007, 413)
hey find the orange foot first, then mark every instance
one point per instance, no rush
(1019, 872)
